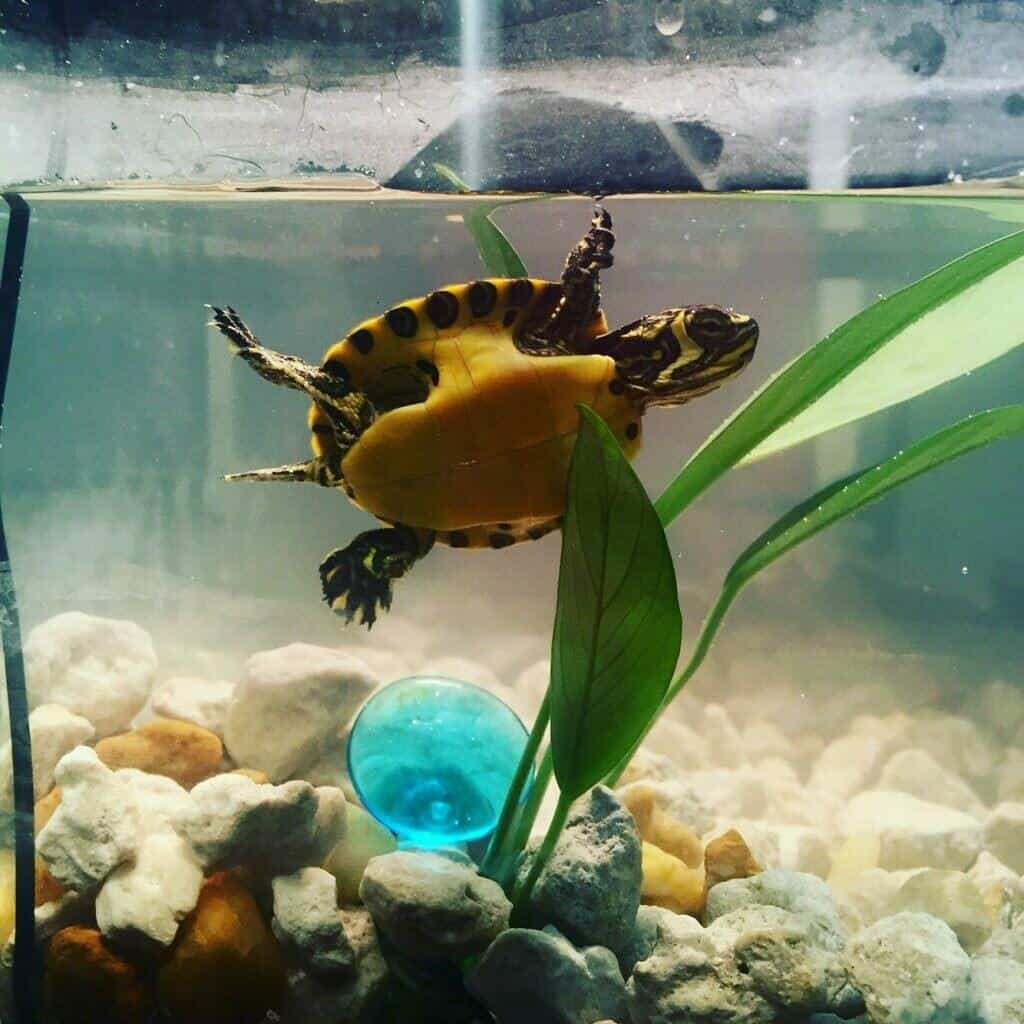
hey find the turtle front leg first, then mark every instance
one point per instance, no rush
(581, 292)
(349, 412)
(358, 578)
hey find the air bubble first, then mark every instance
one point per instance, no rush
(963, 570)
(669, 16)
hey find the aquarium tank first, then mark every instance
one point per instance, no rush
(512, 511)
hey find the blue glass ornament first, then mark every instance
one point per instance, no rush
(432, 759)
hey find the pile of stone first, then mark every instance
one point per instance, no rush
(200, 851)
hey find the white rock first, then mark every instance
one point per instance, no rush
(95, 828)
(451, 666)
(275, 828)
(792, 804)
(144, 901)
(912, 832)
(916, 772)
(958, 744)
(951, 897)
(1011, 776)
(58, 914)
(533, 681)
(763, 740)
(1000, 887)
(892, 731)
(724, 740)
(1004, 834)
(55, 731)
(847, 765)
(383, 663)
(804, 895)
(291, 705)
(161, 801)
(999, 989)
(204, 702)
(788, 847)
(910, 969)
(99, 668)
(307, 921)
(683, 745)
(1000, 706)
(778, 771)
(869, 896)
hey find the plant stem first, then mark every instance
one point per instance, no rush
(707, 635)
(521, 893)
(500, 837)
(504, 858)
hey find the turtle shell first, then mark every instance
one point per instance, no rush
(475, 437)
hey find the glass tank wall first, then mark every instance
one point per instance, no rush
(228, 814)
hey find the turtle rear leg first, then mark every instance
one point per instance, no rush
(358, 578)
(350, 412)
(581, 292)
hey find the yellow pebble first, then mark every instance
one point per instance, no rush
(669, 883)
(260, 778)
(728, 856)
(857, 855)
(365, 838)
(657, 826)
(180, 750)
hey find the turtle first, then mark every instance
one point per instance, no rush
(451, 417)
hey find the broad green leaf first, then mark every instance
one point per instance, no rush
(847, 496)
(497, 252)
(617, 622)
(905, 336)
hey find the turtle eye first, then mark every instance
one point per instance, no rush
(710, 324)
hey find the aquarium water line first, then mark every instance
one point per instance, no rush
(14, 666)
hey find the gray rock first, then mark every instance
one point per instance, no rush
(690, 979)
(790, 971)
(1004, 834)
(911, 970)
(921, 51)
(353, 997)
(806, 896)
(539, 977)
(307, 921)
(277, 829)
(432, 908)
(538, 140)
(1006, 942)
(590, 888)
(999, 988)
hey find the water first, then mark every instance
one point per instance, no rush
(124, 411)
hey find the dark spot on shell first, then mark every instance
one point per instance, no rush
(500, 540)
(482, 297)
(536, 532)
(458, 539)
(510, 317)
(443, 309)
(520, 292)
(429, 369)
(632, 430)
(323, 429)
(616, 386)
(336, 368)
(350, 491)
(362, 341)
(505, 526)
(402, 320)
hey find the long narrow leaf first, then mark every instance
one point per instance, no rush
(847, 496)
(617, 623)
(497, 252)
(929, 352)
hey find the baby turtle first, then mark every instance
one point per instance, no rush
(452, 417)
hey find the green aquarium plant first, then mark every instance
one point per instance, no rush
(617, 627)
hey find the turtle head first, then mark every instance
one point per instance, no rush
(680, 354)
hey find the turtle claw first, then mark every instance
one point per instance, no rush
(357, 580)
